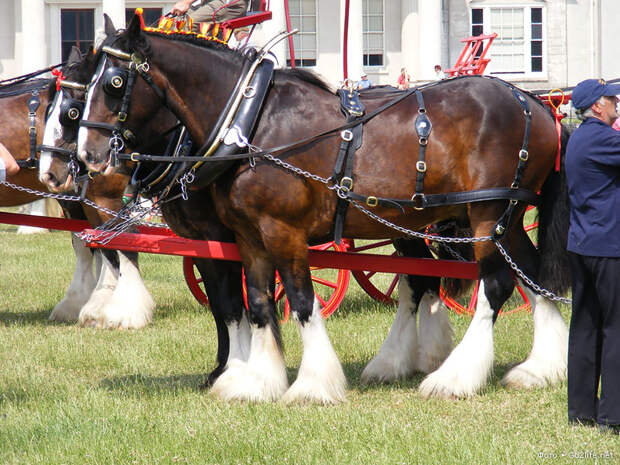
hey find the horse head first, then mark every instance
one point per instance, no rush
(59, 165)
(143, 76)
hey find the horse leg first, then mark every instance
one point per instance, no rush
(404, 350)
(222, 281)
(320, 377)
(547, 360)
(131, 305)
(107, 266)
(81, 287)
(263, 376)
(469, 365)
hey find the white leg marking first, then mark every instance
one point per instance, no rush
(467, 368)
(240, 337)
(546, 363)
(36, 208)
(398, 353)
(434, 333)
(261, 378)
(131, 305)
(81, 287)
(91, 313)
(320, 377)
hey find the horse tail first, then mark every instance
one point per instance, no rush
(553, 220)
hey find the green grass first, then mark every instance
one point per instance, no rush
(71, 395)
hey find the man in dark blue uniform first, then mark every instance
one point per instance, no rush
(593, 178)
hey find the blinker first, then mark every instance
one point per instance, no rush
(114, 80)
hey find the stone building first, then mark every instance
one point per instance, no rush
(541, 44)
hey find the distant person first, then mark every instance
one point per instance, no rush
(439, 74)
(8, 165)
(210, 11)
(403, 79)
(364, 83)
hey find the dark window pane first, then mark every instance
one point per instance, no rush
(151, 15)
(536, 48)
(476, 30)
(536, 64)
(476, 15)
(67, 25)
(373, 60)
(537, 15)
(536, 31)
(77, 27)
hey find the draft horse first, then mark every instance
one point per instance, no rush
(277, 206)
(90, 296)
(403, 352)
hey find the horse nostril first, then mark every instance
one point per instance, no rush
(88, 157)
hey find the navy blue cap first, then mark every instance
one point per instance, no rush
(589, 91)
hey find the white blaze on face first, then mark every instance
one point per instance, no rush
(82, 132)
(53, 132)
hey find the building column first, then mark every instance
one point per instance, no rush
(429, 13)
(270, 29)
(33, 39)
(115, 9)
(409, 38)
(355, 38)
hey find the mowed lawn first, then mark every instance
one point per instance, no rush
(71, 395)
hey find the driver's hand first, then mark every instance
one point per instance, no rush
(181, 7)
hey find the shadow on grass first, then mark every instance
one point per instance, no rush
(25, 319)
(149, 385)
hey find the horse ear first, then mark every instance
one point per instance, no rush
(108, 27)
(134, 29)
(75, 56)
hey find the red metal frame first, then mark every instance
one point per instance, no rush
(469, 62)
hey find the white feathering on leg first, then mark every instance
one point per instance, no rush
(467, 368)
(434, 334)
(547, 360)
(398, 353)
(107, 277)
(320, 377)
(261, 378)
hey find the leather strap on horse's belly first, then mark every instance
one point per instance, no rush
(451, 198)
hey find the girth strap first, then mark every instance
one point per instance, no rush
(33, 106)
(423, 128)
(353, 109)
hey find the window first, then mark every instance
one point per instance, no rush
(303, 17)
(77, 27)
(151, 15)
(372, 30)
(518, 48)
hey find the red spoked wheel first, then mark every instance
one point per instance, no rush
(330, 286)
(379, 286)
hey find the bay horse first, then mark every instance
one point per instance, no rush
(277, 206)
(90, 296)
(403, 352)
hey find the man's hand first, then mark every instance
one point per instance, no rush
(181, 7)
(8, 165)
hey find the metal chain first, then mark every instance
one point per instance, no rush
(539, 290)
(74, 198)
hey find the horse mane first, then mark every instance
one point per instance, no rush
(306, 75)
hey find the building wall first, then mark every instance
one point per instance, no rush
(580, 36)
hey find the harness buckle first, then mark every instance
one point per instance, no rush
(423, 140)
(372, 201)
(420, 167)
(122, 116)
(523, 155)
(418, 201)
(131, 157)
(347, 135)
(514, 185)
(346, 184)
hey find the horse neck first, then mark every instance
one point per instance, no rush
(197, 82)
(14, 122)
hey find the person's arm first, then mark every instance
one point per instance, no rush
(8, 165)
(181, 7)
